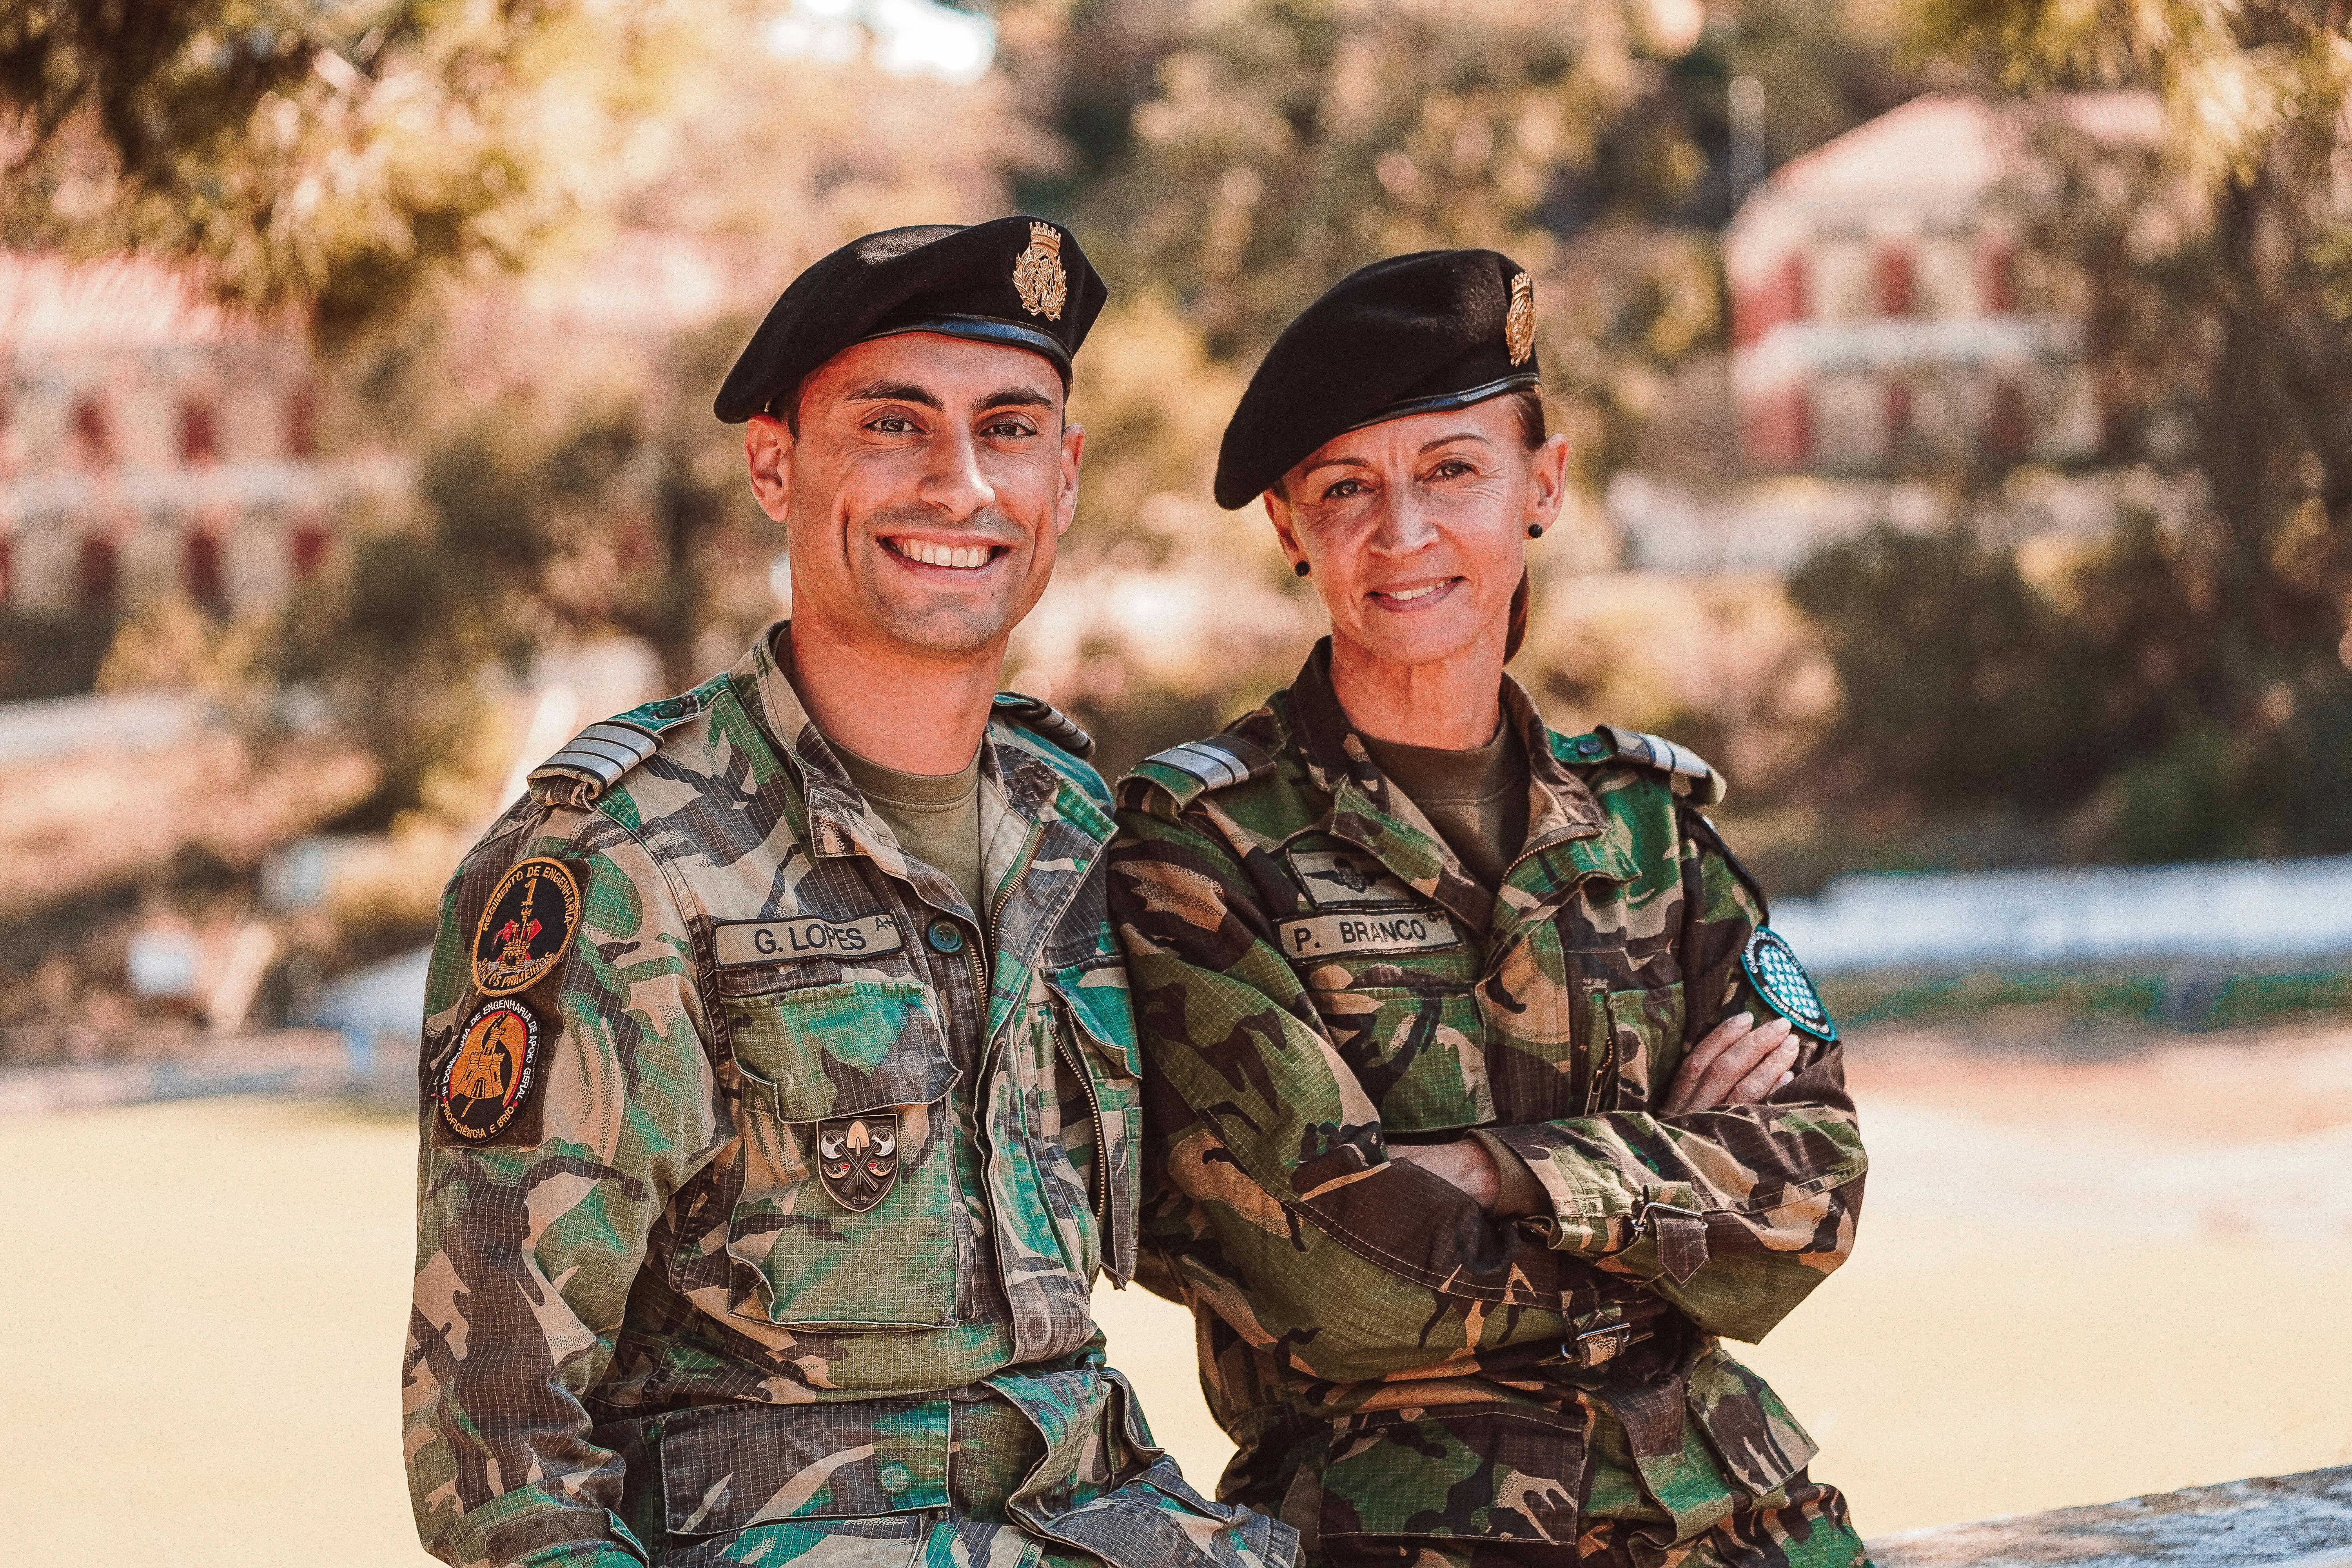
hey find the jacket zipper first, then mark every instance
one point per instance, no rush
(1098, 1182)
(1604, 1081)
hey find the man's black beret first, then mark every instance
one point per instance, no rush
(1015, 281)
(1412, 334)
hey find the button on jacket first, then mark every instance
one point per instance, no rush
(650, 1324)
(1317, 977)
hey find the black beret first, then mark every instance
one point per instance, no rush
(1412, 334)
(1015, 281)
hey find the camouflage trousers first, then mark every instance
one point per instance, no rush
(1025, 1470)
(1513, 1486)
(1807, 1530)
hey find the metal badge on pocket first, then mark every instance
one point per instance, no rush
(857, 1158)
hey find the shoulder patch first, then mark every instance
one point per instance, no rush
(1772, 968)
(1687, 773)
(1046, 722)
(484, 1090)
(1196, 767)
(595, 760)
(527, 926)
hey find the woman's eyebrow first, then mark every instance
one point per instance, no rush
(1457, 435)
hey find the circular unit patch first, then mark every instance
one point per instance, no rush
(1772, 968)
(491, 1071)
(528, 922)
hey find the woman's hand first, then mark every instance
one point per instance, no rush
(1737, 1064)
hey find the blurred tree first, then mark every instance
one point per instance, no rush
(619, 509)
(329, 159)
(1962, 683)
(2215, 274)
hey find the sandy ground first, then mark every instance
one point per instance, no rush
(2087, 1269)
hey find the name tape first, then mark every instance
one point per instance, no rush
(781, 941)
(1323, 936)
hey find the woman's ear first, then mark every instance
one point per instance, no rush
(1547, 481)
(1277, 512)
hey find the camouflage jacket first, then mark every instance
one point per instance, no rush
(1316, 978)
(749, 1189)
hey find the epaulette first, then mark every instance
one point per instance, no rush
(1689, 773)
(1046, 722)
(597, 758)
(1215, 761)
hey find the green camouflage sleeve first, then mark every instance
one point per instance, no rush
(564, 1103)
(1733, 1214)
(1267, 1156)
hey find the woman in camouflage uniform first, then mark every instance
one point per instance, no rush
(1480, 1098)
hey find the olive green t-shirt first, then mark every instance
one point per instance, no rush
(935, 817)
(1476, 799)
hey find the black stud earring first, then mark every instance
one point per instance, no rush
(1302, 568)
(1535, 531)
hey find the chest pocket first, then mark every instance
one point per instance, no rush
(1418, 1052)
(831, 1060)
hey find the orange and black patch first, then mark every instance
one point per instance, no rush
(526, 927)
(488, 1080)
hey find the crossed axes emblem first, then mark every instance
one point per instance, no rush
(857, 1158)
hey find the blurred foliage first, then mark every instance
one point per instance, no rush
(2173, 689)
(542, 522)
(334, 160)
(1244, 156)
(50, 653)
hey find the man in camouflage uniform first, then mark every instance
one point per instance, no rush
(1330, 993)
(768, 1165)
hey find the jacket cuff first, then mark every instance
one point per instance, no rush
(528, 1528)
(1655, 1230)
(1518, 1191)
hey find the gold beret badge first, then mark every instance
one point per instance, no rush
(1037, 274)
(1519, 323)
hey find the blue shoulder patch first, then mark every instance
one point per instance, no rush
(1772, 968)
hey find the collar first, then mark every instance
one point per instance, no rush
(1018, 792)
(1561, 808)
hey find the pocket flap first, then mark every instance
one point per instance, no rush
(1476, 1472)
(1099, 1005)
(725, 1470)
(835, 1050)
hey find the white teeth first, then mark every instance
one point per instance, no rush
(929, 554)
(1405, 596)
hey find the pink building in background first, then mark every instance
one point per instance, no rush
(153, 441)
(1877, 322)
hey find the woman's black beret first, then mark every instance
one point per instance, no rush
(1438, 329)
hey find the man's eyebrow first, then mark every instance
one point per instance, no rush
(896, 392)
(1015, 397)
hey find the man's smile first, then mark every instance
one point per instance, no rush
(947, 557)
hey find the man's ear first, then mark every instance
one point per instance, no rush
(1073, 451)
(768, 449)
